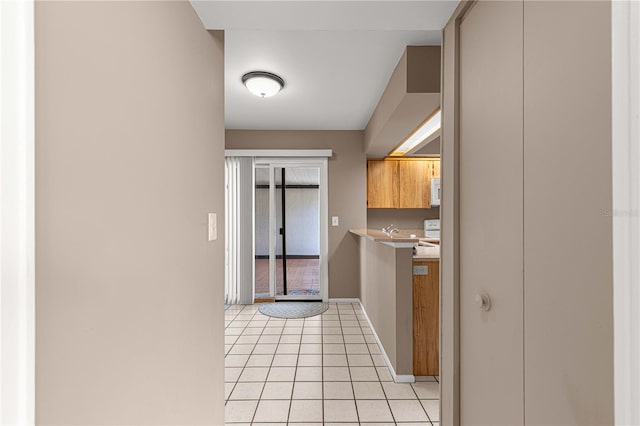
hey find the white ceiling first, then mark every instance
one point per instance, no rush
(336, 57)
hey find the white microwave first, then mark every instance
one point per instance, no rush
(435, 192)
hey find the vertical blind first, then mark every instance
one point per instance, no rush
(239, 259)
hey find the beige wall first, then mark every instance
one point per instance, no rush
(423, 69)
(387, 297)
(430, 149)
(402, 218)
(347, 192)
(394, 93)
(410, 96)
(129, 161)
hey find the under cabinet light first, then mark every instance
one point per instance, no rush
(426, 129)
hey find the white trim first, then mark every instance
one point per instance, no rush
(272, 235)
(300, 153)
(321, 162)
(404, 378)
(346, 300)
(398, 378)
(324, 229)
(17, 214)
(253, 230)
(626, 209)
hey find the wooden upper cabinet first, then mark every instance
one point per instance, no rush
(400, 184)
(415, 184)
(382, 184)
(435, 168)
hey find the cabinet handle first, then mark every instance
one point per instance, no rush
(483, 301)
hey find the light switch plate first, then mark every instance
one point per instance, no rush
(335, 221)
(213, 227)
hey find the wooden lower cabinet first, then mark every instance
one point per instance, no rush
(426, 317)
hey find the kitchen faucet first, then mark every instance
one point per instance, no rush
(390, 230)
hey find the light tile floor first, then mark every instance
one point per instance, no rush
(326, 369)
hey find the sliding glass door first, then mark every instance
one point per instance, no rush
(289, 230)
(262, 283)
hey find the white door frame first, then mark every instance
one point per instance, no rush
(321, 163)
(17, 214)
(626, 208)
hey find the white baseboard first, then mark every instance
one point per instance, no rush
(398, 378)
(345, 300)
(404, 378)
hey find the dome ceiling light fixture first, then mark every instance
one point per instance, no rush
(263, 84)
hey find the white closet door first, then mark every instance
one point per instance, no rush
(491, 214)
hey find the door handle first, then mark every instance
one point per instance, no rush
(483, 301)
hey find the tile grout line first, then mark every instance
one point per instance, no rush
(346, 355)
(245, 364)
(295, 374)
(322, 364)
(230, 349)
(295, 371)
(269, 368)
(420, 401)
(340, 314)
(322, 350)
(380, 379)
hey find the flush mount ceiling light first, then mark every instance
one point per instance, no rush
(424, 131)
(262, 83)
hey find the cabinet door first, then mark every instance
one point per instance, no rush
(382, 184)
(491, 214)
(435, 168)
(415, 184)
(426, 317)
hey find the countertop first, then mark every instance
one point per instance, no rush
(403, 239)
(404, 236)
(428, 253)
